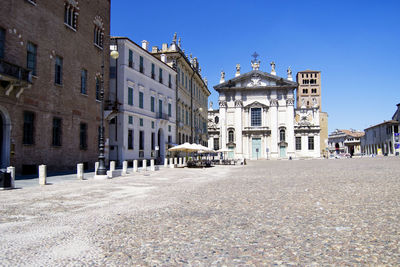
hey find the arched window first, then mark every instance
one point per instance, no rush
(231, 136)
(98, 32)
(71, 13)
(282, 135)
(216, 119)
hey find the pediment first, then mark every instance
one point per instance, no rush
(256, 79)
(255, 104)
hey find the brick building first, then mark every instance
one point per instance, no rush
(51, 53)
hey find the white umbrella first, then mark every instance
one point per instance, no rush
(186, 147)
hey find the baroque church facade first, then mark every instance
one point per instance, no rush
(256, 118)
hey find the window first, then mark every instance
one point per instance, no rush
(56, 132)
(130, 120)
(169, 128)
(130, 60)
(141, 69)
(160, 76)
(141, 140)
(28, 136)
(2, 42)
(169, 139)
(179, 74)
(130, 139)
(256, 117)
(183, 78)
(31, 53)
(298, 142)
(169, 81)
(306, 82)
(160, 109)
(58, 70)
(179, 114)
(216, 144)
(183, 115)
(152, 124)
(97, 88)
(153, 143)
(169, 110)
(152, 104)
(83, 136)
(140, 99)
(98, 36)
(305, 91)
(186, 79)
(141, 122)
(216, 119)
(311, 143)
(130, 96)
(282, 135)
(187, 118)
(70, 15)
(153, 74)
(314, 91)
(231, 138)
(83, 81)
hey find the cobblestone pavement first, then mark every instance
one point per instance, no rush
(300, 212)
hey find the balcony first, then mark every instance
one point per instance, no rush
(163, 116)
(11, 72)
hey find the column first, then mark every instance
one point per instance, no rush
(274, 128)
(222, 113)
(290, 126)
(238, 125)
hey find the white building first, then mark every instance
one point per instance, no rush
(345, 141)
(142, 103)
(256, 117)
(383, 138)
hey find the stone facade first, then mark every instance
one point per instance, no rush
(383, 138)
(142, 123)
(256, 118)
(50, 118)
(191, 94)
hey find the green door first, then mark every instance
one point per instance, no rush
(231, 152)
(256, 148)
(283, 151)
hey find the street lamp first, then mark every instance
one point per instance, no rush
(102, 170)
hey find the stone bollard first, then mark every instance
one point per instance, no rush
(96, 166)
(79, 171)
(165, 162)
(144, 165)
(180, 161)
(11, 170)
(175, 161)
(112, 165)
(171, 163)
(184, 161)
(152, 167)
(42, 174)
(135, 164)
(124, 167)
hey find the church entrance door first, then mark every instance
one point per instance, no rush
(283, 151)
(256, 148)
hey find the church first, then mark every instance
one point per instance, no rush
(256, 118)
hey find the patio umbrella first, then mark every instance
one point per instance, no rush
(186, 147)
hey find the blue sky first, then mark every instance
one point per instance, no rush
(355, 44)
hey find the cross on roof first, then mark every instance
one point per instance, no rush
(255, 55)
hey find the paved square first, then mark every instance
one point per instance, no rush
(341, 212)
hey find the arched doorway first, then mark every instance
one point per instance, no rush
(337, 148)
(5, 129)
(161, 146)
